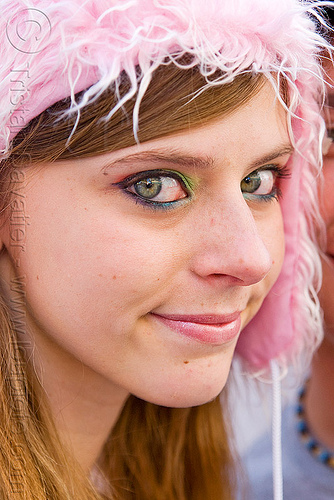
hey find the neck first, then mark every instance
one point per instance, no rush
(85, 421)
(319, 396)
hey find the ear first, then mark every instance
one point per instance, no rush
(14, 218)
(12, 236)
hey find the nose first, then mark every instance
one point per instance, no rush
(229, 245)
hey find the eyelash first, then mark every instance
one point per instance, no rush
(279, 172)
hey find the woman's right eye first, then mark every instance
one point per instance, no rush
(156, 187)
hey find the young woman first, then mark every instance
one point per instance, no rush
(149, 150)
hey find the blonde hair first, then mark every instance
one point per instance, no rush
(153, 452)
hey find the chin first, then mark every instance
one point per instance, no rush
(193, 402)
(183, 398)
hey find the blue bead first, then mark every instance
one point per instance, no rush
(311, 444)
(301, 426)
(324, 456)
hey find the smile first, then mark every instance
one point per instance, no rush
(210, 329)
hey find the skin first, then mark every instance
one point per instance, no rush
(97, 264)
(320, 394)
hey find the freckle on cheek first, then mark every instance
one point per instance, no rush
(114, 277)
(185, 362)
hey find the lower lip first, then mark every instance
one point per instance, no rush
(215, 334)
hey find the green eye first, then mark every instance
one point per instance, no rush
(259, 183)
(148, 188)
(251, 183)
(158, 188)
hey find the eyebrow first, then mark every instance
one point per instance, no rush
(281, 151)
(188, 161)
(160, 156)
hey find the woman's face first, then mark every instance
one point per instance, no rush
(327, 290)
(142, 266)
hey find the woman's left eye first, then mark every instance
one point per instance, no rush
(156, 187)
(262, 183)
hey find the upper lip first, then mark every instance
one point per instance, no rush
(204, 319)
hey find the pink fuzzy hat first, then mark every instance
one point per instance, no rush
(52, 49)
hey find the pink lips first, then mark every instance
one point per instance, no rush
(210, 328)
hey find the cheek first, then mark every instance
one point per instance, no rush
(99, 264)
(279, 249)
(273, 237)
